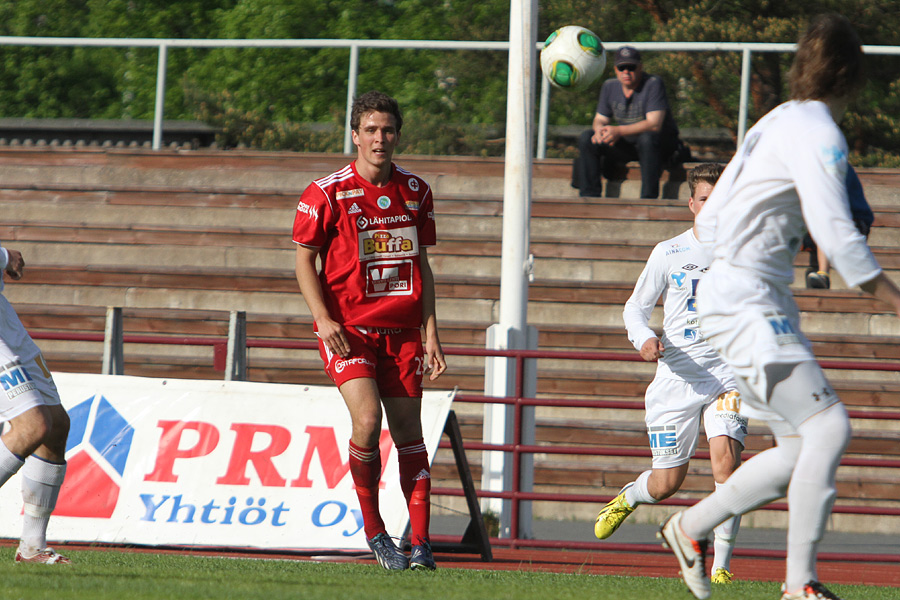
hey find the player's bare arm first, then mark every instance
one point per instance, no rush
(329, 331)
(434, 354)
(15, 266)
(884, 289)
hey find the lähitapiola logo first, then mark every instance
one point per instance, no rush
(97, 451)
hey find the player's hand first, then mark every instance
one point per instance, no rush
(652, 350)
(333, 336)
(434, 359)
(16, 264)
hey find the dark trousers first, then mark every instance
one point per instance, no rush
(595, 160)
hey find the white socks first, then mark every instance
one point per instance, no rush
(723, 544)
(758, 481)
(41, 481)
(812, 491)
(638, 492)
(9, 463)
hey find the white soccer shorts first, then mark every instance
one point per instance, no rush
(755, 326)
(26, 382)
(675, 409)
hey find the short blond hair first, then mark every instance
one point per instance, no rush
(704, 173)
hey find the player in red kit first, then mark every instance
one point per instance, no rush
(369, 224)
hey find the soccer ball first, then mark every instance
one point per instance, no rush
(572, 58)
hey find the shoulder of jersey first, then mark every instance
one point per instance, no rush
(335, 178)
(413, 181)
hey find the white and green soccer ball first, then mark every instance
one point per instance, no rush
(572, 58)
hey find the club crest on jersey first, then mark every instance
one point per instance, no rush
(383, 202)
(678, 278)
(414, 184)
(350, 193)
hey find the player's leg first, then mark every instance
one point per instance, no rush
(673, 424)
(802, 395)
(42, 478)
(400, 383)
(726, 429)
(36, 439)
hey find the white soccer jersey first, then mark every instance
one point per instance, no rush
(673, 271)
(789, 175)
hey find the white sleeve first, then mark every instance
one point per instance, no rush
(4, 258)
(820, 178)
(647, 290)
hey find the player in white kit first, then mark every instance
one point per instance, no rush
(35, 439)
(789, 175)
(691, 381)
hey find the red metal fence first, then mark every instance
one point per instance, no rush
(517, 449)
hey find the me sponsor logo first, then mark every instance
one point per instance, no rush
(15, 379)
(663, 440)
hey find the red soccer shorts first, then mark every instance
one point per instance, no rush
(394, 358)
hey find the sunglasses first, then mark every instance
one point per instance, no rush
(626, 68)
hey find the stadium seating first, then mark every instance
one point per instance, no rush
(178, 239)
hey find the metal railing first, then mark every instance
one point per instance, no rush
(164, 44)
(231, 356)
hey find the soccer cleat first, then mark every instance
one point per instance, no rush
(811, 591)
(722, 575)
(612, 515)
(47, 556)
(818, 280)
(387, 553)
(691, 555)
(422, 557)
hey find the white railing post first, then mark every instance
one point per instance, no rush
(236, 355)
(160, 96)
(113, 343)
(745, 96)
(543, 117)
(351, 94)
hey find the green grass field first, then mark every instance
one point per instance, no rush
(102, 574)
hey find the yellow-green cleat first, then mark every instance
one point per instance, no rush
(612, 515)
(722, 575)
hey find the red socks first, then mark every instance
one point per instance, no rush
(365, 468)
(415, 480)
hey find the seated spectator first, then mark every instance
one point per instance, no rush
(818, 274)
(644, 130)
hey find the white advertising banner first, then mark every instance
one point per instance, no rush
(214, 463)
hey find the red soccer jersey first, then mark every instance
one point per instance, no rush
(369, 239)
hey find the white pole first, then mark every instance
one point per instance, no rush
(511, 331)
(160, 96)
(745, 96)
(351, 94)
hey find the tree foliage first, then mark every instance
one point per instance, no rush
(454, 101)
